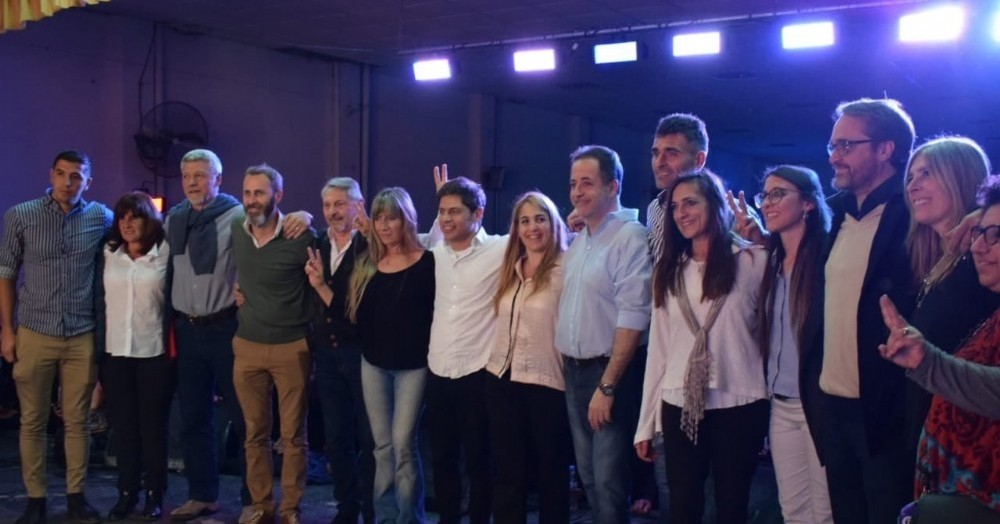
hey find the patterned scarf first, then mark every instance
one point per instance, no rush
(696, 375)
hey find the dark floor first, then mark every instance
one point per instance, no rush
(317, 506)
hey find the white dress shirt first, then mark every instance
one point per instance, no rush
(134, 297)
(464, 321)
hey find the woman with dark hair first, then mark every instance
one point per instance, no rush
(958, 470)
(798, 220)
(941, 182)
(136, 370)
(703, 383)
(525, 391)
(391, 299)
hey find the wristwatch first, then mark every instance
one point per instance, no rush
(608, 390)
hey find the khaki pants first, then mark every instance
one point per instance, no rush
(39, 359)
(256, 369)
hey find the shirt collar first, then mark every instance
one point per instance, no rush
(880, 195)
(477, 241)
(277, 230)
(622, 215)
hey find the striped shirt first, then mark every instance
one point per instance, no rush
(58, 253)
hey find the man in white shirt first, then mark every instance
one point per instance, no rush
(467, 266)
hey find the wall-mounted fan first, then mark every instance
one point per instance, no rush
(166, 132)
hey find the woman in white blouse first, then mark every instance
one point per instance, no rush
(136, 371)
(525, 391)
(704, 383)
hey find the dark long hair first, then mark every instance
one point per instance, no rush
(720, 268)
(141, 206)
(807, 260)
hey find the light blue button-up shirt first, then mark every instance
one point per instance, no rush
(607, 286)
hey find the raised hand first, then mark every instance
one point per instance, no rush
(906, 346)
(959, 239)
(747, 222)
(362, 224)
(440, 176)
(575, 222)
(314, 268)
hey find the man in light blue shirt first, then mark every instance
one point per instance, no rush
(604, 310)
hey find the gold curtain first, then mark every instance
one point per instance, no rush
(15, 13)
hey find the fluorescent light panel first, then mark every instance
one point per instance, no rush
(694, 44)
(940, 24)
(619, 52)
(535, 60)
(437, 69)
(802, 36)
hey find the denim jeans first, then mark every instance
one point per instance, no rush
(205, 369)
(345, 425)
(394, 400)
(603, 457)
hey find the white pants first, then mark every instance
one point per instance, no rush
(802, 487)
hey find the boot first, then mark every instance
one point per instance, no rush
(126, 503)
(79, 510)
(153, 510)
(34, 513)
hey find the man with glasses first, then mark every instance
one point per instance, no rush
(869, 476)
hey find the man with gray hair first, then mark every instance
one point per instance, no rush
(200, 237)
(270, 348)
(337, 356)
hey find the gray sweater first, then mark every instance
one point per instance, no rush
(970, 386)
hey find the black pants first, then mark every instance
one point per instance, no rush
(864, 487)
(530, 437)
(457, 420)
(349, 442)
(728, 442)
(138, 392)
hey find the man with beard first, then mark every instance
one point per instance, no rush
(270, 348)
(869, 476)
(199, 231)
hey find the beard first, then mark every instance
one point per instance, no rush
(261, 219)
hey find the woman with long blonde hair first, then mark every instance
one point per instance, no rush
(942, 178)
(391, 299)
(525, 395)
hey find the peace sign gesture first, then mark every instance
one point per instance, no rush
(362, 224)
(747, 222)
(906, 346)
(440, 177)
(314, 267)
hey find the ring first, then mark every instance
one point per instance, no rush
(905, 331)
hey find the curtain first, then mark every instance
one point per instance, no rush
(15, 13)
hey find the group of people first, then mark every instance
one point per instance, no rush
(682, 342)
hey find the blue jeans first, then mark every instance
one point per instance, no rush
(603, 457)
(394, 400)
(204, 369)
(345, 425)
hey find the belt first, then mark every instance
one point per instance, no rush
(211, 318)
(586, 361)
(783, 398)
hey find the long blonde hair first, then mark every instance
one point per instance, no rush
(391, 202)
(960, 166)
(516, 251)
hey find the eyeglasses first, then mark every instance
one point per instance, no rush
(843, 146)
(773, 196)
(990, 234)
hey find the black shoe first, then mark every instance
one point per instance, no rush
(126, 503)
(34, 513)
(153, 510)
(79, 510)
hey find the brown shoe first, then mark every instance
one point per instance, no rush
(193, 509)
